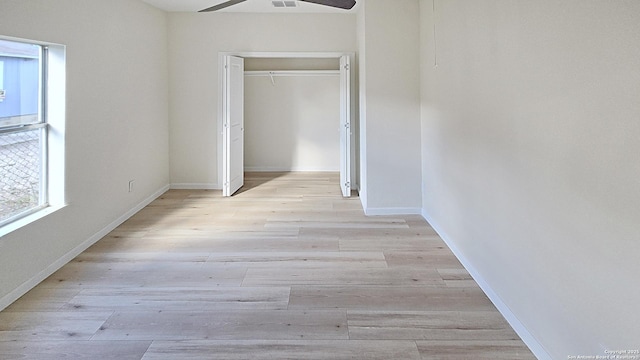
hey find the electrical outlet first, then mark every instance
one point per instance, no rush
(131, 185)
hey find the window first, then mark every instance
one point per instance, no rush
(23, 129)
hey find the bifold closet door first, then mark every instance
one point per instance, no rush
(233, 125)
(345, 126)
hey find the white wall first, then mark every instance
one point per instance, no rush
(116, 128)
(388, 34)
(195, 40)
(292, 124)
(531, 136)
(362, 108)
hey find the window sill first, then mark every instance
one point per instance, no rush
(29, 219)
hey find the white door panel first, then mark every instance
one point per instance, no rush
(233, 127)
(345, 126)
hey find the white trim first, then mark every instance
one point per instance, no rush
(534, 345)
(189, 186)
(391, 211)
(63, 260)
(282, 55)
(28, 219)
(362, 194)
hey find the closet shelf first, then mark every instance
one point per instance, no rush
(293, 73)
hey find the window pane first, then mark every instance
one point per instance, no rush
(22, 177)
(19, 83)
(20, 172)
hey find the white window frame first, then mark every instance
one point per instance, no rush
(52, 113)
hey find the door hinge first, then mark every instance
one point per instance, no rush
(346, 67)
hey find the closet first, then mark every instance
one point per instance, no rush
(292, 115)
(296, 116)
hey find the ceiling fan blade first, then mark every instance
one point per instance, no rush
(342, 4)
(222, 5)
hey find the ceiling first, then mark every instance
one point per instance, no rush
(255, 6)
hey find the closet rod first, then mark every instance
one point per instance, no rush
(293, 73)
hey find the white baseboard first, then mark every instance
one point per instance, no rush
(522, 331)
(42, 275)
(392, 211)
(187, 186)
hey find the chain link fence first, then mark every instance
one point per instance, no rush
(19, 172)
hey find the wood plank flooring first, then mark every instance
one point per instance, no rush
(286, 269)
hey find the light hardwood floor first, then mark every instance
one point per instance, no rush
(286, 269)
